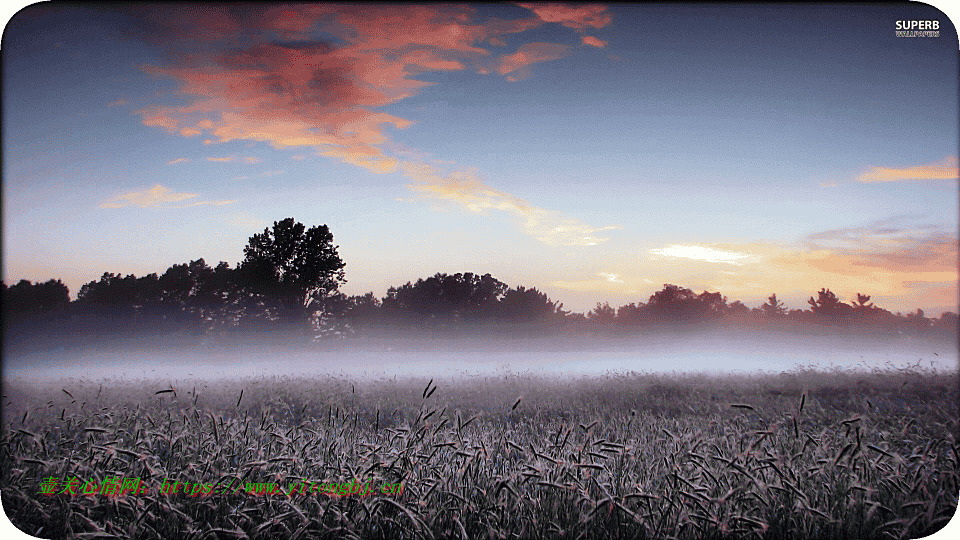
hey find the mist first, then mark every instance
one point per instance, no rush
(705, 352)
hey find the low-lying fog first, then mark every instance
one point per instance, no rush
(371, 358)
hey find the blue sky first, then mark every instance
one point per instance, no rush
(595, 152)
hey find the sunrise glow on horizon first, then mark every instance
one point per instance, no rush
(595, 152)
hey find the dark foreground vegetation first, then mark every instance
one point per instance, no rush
(803, 454)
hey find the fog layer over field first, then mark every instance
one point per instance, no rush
(665, 352)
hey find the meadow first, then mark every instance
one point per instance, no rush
(800, 454)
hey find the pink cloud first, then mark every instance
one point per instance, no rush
(579, 17)
(594, 42)
(528, 54)
(309, 92)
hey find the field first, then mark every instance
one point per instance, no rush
(802, 454)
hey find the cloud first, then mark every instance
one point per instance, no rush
(701, 253)
(157, 197)
(828, 184)
(316, 76)
(264, 75)
(118, 102)
(578, 17)
(946, 169)
(467, 191)
(531, 53)
(592, 41)
(612, 278)
(231, 159)
(178, 160)
(886, 259)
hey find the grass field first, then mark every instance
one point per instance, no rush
(804, 454)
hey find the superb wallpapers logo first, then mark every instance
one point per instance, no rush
(918, 28)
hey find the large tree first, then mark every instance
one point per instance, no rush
(292, 266)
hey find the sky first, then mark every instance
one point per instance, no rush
(595, 152)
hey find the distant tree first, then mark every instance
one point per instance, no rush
(773, 309)
(916, 321)
(447, 297)
(672, 304)
(947, 323)
(738, 310)
(522, 304)
(828, 306)
(602, 313)
(711, 305)
(292, 267)
(27, 297)
(631, 314)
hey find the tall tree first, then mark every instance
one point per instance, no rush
(296, 267)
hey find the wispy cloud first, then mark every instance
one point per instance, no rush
(231, 159)
(946, 169)
(593, 42)
(578, 17)
(157, 197)
(701, 253)
(467, 191)
(612, 278)
(515, 66)
(178, 160)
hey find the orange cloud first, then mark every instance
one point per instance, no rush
(578, 17)
(220, 159)
(592, 41)
(178, 160)
(157, 197)
(903, 267)
(467, 191)
(945, 169)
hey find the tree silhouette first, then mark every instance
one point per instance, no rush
(27, 297)
(828, 306)
(293, 267)
(738, 310)
(447, 297)
(631, 314)
(773, 308)
(603, 313)
(522, 304)
(673, 304)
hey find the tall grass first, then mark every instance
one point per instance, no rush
(803, 454)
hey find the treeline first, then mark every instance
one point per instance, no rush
(290, 277)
